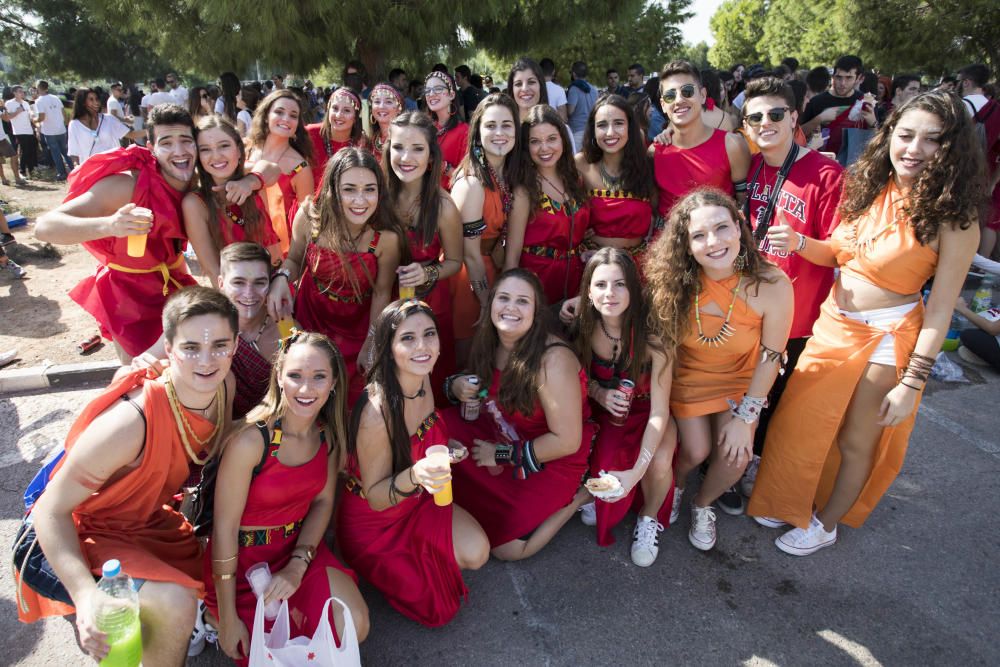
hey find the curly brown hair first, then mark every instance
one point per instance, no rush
(672, 273)
(951, 188)
(259, 126)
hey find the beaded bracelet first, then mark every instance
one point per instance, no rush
(749, 409)
(801, 245)
(260, 179)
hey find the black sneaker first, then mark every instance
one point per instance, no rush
(731, 502)
(7, 239)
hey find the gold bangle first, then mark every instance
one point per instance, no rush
(223, 577)
(224, 560)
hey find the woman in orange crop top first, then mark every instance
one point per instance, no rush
(725, 314)
(482, 192)
(908, 210)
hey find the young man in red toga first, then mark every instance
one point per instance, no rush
(134, 191)
(696, 155)
(803, 201)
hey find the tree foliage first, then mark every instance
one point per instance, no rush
(738, 27)
(67, 38)
(815, 32)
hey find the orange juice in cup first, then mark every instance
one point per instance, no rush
(285, 325)
(137, 242)
(440, 457)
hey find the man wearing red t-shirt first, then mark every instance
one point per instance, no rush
(696, 154)
(805, 202)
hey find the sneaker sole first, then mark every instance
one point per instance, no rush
(731, 511)
(769, 523)
(700, 546)
(797, 551)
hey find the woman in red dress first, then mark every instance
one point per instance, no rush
(618, 176)
(210, 222)
(550, 214)
(395, 536)
(274, 499)
(341, 127)
(531, 440)
(277, 135)
(453, 135)
(384, 104)
(431, 222)
(615, 343)
(482, 192)
(345, 250)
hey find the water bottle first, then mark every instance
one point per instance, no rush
(983, 300)
(116, 612)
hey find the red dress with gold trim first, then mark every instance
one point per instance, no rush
(553, 241)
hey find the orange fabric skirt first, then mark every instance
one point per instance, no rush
(801, 459)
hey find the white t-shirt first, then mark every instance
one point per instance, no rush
(144, 102)
(976, 101)
(246, 118)
(115, 105)
(180, 95)
(52, 107)
(21, 124)
(161, 97)
(557, 96)
(84, 142)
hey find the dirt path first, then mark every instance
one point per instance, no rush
(36, 314)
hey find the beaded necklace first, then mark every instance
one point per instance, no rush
(185, 428)
(506, 198)
(726, 331)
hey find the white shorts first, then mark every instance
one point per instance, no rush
(884, 319)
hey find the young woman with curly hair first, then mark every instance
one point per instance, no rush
(532, 436)
(725, 314)
(550, 216)
(636, 438)
(908, 213)
(619, 177)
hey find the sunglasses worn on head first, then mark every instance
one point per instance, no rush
(775, 115)
(687, 92)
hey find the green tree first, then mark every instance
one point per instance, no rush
(738, 28)
(696, 54)
(66, 38)
(815, 32)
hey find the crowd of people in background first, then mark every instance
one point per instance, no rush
(587, 294)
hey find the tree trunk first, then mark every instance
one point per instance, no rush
(373, 57)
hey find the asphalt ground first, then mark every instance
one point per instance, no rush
(917, 585)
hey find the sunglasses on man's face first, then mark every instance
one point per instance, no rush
(775, 115)
(670, 96)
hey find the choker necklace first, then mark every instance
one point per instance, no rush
(610, 182)
(615, 342)
(420, 392)
(725, 331)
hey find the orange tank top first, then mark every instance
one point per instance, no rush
(881, 248)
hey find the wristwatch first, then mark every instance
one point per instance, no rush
(283, 272)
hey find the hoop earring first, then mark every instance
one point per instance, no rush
(741, 261)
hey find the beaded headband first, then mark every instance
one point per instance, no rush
(348, 93)
(386, 88)
(444, 78)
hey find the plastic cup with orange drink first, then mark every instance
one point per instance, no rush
(440, 457)
(137, 242)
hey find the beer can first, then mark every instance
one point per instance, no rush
(470, 409)
(626, 387)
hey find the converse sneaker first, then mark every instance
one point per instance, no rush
(702, 533)
(749, 476)
(588, 514)
(769, 522)
(799, 542)
(731, 502)
(675, 508)
(15, 269)
(645, 543)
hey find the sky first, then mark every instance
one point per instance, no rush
(696, 28)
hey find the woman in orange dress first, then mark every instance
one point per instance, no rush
(909, 213)
(725, 314)
(482, 192)
(278, 135)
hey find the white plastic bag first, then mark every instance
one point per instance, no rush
(947, 370)
(277, 649)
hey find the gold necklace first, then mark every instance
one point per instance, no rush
(726, 331)
(184, 427)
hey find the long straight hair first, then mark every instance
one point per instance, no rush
(543, 114)
(383, 382)
(430, 188)
(637, 171)
(471, 165)
(259, 129)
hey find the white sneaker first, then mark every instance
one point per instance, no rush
(799, 542)
(646, 541)
(675, 508)
(749, 476)
(588, 514)
(702, 533)
(15, 269)
(201, 632)
(769, 522)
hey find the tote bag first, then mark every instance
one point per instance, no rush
(278, 649)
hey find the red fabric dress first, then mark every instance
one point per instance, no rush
(126, 294)
(232, 225)
(617, 214)
(406, 551)
(678, 171)
(323, 150)
(336, 301)
(553, 241)
(454, 143)
(508, 508)
(279, 495)
(617, 448)
(439, 299)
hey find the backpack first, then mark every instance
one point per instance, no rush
(987, 127)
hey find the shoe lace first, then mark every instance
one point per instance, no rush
(704, 519)
(646, 532)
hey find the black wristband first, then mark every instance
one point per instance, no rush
(503, 454)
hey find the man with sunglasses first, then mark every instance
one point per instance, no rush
(697, 154)
(831, 109)
(792, 192)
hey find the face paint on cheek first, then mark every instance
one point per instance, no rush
(221, 354)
